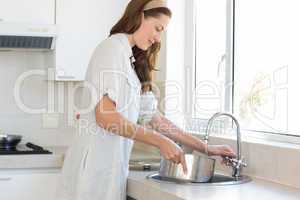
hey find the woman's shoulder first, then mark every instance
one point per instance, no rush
(108, 54)
(111, 44)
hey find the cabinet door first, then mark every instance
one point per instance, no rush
(28, 11)
(28, 185)
(82, 24)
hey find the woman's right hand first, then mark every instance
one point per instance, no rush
(171, 151)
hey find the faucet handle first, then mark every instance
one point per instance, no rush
(234, 162)
(243, 163)
(236, 165)
(230, 161)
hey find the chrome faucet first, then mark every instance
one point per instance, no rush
(236, 163)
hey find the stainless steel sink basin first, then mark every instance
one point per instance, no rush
(217, 179)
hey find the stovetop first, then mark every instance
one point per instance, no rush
(27, 148)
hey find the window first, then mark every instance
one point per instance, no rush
(210, 56)
(265, 67)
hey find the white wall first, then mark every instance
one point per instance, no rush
(13, 120)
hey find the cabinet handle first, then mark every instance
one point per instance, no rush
(5, 179)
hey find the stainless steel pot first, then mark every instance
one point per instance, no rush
(200, 168)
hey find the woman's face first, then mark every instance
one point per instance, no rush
(150, 31)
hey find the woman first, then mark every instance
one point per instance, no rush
(96, 165)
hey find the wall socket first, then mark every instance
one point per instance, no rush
(50, 120)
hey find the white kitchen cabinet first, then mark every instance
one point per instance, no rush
(82, 24)
(28, 11)
(28, 184)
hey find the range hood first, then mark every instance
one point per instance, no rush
(20, 36)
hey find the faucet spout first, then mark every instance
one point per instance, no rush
(237, 163)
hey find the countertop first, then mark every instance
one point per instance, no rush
(141, 188)
(54, 160)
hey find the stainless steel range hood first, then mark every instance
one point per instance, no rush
(23, 37)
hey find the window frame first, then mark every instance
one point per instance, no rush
(191, 36)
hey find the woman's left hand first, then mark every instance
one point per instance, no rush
(220, 150)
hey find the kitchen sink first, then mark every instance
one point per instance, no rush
(217, 179)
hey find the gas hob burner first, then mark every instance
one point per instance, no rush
(20, 149)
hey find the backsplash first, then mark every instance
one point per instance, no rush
(34, 95)
(272, 161)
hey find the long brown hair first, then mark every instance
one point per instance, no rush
(129, 23)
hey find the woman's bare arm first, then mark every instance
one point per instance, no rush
(108, 118)
(166, 127)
